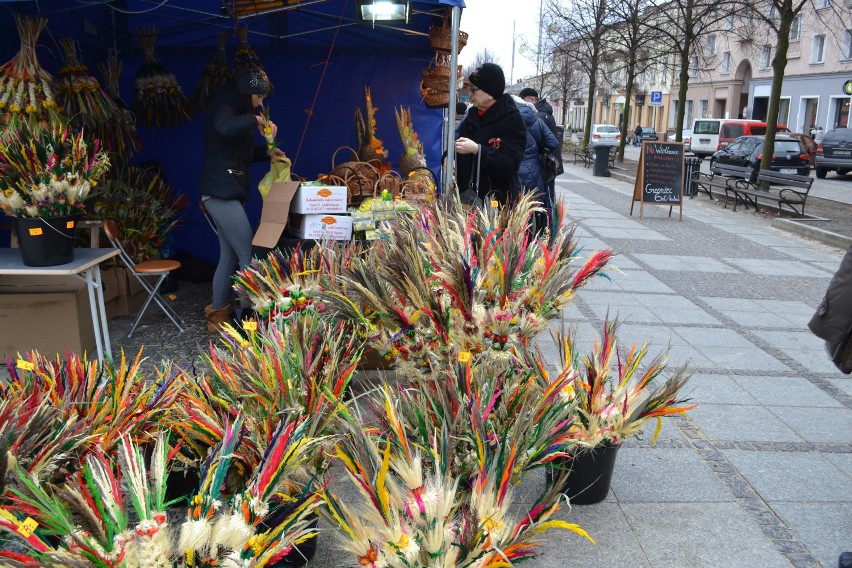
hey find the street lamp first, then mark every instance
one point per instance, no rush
(514, 39)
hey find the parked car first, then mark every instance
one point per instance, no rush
(686, 136)
(604, 135)
(834, 152)
(648, 133)
(747, 151)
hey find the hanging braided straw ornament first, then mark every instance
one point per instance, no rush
(214, 76)
(85, 103)
(158, 99)
(120, 137)
(412, 148)
(26, 90)
(246, 56)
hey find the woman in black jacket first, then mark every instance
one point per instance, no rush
(491, 139)
(229, 130)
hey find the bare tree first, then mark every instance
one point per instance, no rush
(581, 28)
(681, 24)
(631, 40)
(484, 56)
(777, 16)
(563, 77)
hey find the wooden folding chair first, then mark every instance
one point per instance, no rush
(161, 268)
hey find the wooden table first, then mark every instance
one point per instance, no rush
(86, 266)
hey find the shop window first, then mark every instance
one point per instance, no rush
(818, 49)
(726, 63)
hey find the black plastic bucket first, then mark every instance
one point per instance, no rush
(590, 474)
(46, 241)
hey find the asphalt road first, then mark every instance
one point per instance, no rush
(833, 187)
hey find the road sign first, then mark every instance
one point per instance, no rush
(640, 100)
(656, 98)
(847, 87)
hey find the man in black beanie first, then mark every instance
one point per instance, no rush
(491, 139)
(545, 113)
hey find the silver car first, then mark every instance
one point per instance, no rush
(604, 135)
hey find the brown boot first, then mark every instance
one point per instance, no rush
(207, 309)
(217, 317)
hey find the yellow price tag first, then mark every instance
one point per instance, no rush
(69, 225)
(27, 527)
(25, 365)
(250, 325)
(495, 203)
(464, 356)
(35, 232)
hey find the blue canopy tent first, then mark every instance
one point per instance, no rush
(317, 54)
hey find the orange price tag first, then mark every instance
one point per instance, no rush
(464, 356)
(25, 365)
(27, 527)
(36, 231)
(69, 225)
(250, 325)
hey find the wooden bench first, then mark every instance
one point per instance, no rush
(584, 156)
(721, 177)
(790, 191)
(587, 156)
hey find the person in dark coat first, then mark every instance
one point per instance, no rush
(231, 123)
(493, 136)
(833, 318)
(545, 113)
(539, 138)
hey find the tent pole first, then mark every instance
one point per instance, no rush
(449, 126)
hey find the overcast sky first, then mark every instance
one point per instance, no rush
(489, 23)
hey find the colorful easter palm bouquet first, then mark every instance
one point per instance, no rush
(47, 170)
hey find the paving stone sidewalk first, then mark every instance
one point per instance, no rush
(760, 474)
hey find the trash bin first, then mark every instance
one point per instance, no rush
(601, 159)
(691, 165)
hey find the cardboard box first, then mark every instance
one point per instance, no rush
(273, 217)
(50, 315)
(334, 227)
(312, 199)
(131, 295)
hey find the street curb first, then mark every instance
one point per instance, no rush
(789, 225)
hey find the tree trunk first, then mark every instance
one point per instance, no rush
(779, 64)
(590, 109)
(681, 94)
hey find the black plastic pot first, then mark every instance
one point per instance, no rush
(46, 241)
(590, 474)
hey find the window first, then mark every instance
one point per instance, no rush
(693, 66)
(711, 44)
(729, 22)
(705, 108)
(847, 45)
(796, 28)
(765, 56)
(818, 49)
(726, 63)
(823, 4)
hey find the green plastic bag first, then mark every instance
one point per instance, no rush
(279, 170)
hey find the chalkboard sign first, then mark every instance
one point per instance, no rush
(659, 179)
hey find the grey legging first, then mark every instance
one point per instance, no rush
(235, 237)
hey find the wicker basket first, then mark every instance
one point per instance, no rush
(360, 177)
(434, 98)
(390, 181)
(420, 185)
(441, 38)
(436, 77)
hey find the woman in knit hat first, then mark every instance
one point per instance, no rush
(229, 130)
(491, 139)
